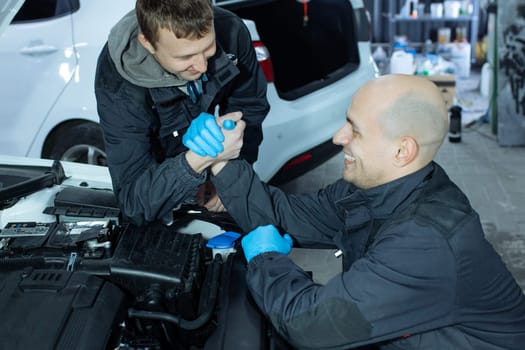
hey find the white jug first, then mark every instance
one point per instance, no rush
(402, 62)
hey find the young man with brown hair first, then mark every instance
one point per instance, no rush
(168, 68)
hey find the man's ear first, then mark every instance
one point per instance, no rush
(146, 44)
(407, 151)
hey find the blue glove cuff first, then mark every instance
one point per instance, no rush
(265, 239)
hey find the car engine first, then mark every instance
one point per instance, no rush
(90, 281)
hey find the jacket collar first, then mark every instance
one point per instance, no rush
(221, 70)
(382, 201)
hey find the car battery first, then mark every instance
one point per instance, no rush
(58, 309)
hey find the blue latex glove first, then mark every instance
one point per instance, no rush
(204, 136)
(265, 239)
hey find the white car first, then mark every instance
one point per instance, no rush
(48, 56)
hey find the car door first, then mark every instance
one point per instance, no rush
(37, 61)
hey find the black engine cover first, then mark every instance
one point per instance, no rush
(57, 309)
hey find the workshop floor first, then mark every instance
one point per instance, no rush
(492, 177)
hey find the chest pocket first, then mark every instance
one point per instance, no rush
(174, 113)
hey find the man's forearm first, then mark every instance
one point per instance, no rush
(217, 167)
(198, 163)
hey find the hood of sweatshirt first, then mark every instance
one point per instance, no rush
(133, 61)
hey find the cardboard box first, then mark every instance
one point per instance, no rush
(447, 85)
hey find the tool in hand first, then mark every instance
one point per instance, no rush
(228, 124)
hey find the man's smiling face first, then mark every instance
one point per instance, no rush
(367, 151)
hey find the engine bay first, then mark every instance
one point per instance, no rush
(85, 279)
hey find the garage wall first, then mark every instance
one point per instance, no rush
(511, 73)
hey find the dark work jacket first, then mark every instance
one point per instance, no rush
(143, 127)
(418, 271)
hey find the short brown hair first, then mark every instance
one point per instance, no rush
(191, 19)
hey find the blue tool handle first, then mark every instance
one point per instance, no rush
(228, 124)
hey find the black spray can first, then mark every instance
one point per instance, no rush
(454, 130)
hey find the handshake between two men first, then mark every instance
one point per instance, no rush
(213, 141)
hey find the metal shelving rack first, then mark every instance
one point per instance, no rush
(427, 21)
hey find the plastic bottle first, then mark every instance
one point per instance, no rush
(460, 56)
(428, 47)
(380, 58)
(486, 78)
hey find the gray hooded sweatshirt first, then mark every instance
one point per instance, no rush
(133, 62)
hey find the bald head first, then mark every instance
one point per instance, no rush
(394, 127)
(408, 105)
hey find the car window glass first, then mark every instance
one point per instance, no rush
(34, 10)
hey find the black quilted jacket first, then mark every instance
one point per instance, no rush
(418, 271)
(143, 127)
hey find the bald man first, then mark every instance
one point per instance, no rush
(417, 270)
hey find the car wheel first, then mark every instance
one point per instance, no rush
(79, 142)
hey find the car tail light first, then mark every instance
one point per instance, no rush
(305, 162)
(298, 160)
(263, 56)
